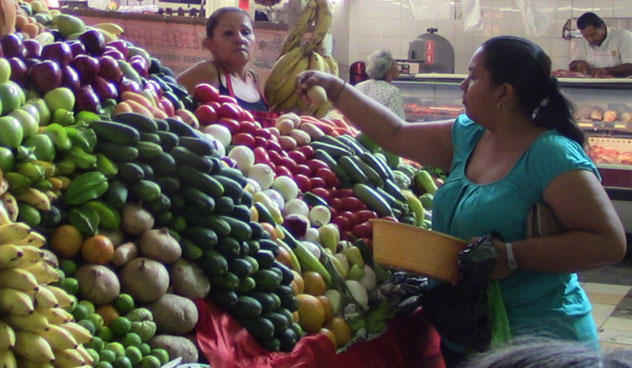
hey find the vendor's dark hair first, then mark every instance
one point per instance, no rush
(527, 68)
(540, 353)
(214, 18)
(589, 19)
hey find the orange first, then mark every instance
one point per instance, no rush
(66, 241)
(299, 282)
(31, 29)
(108, 313)
(341, 329)
(330, 335)
(329, 309)
(314, 283)
(284, 257)
(97, 249)
(311, 314)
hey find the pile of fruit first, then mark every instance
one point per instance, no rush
(148, 198)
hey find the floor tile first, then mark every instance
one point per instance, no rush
(614, 336)
(607, 288)
(601, 312)
(607, 347)
(619, 324)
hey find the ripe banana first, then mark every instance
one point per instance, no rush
(32, 239)
(7, 337)
(113, 28)
(10, 255)
(323, 110)
(288, 87)
(68, 358)
(87, 358)
(316, 61)
(30, 255)
(43, 298)
(295, 36)
(11, 232)
(25, 363)
(4, 215)
(56, 182)
(35, 198)
(7, 359)
(324, 15)
(65, 301)
(280, 70)
(59, 338)
(288, 104)
(55, 316)
(10, 204)
(16, 302)
(4, 185)
(43, 272)
(34, 322)
(333, 65)
(80, 333)
(18, 278)
(33, 347)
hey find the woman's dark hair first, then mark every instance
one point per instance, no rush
(540, 353)
(214, 18)
(589, 19)
(526, 67)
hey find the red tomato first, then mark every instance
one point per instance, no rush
(206, 115)
(307, 151)
(321, 192)
(347, 235)
(337, 204)
(303, 182)
(247, 127)
(362, 230)
(273, 145)
(205, 92)
(214, 104)
(366, 215)
(260, 142)
(231, 124)
(281, 170)
(353, 204)
(261, 155)
(244, 139)
(318, 182)
(345, 192)
(227, 99)
(351, 216)
(328, 177)
(247, 116)
(298, 157)
(274, 156)
(265, 133)
(315, 164)
(303, 169)
(229, 110)
(342, 222)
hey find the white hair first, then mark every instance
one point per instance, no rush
(379, 63)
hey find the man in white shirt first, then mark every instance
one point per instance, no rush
(603, 50)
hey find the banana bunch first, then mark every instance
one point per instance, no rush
(36, 329)
(280, 87)
(110, 31)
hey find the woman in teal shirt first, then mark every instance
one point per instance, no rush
(517, 145)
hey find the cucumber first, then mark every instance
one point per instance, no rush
(177, 202)
(226, 280)
(203, 237)
(164, 218)
(264, 214)
(351, 142)
(268, 303)
(244, 248)
(257, 230)
(336, 142)
(313, 200)
(287, 275)
(150, 137)
(247, 307)
(196, 145)
(240, 230)
(334, 151)
(270, 245)
(138, 121)
(353, 171)
(373, 200)
(213, 263)
(227, 299)
(265, 258)
(162, 204)
(148, 171)
(392, 201)
(164, 165)
(331, 162)
(116, 194)
(240, 267)
(162, 125)
(234, 174)
(253, 248)
(146, 190)
(368, 171)
(206, 183)
(224, 205)
(116, 152)
(278, 320)
(168, 140)
(246, 199)
(115, 132)
(246, 284)
(393, 190)
(148, 150)
(260, 328)
(213, 222)
(229, 247)
(231, 188)
(190, 250)
(177, 104)
(378, 165)
(184, 156)
(199, 200)
(130, 172)
(288, 299)
(180, 128)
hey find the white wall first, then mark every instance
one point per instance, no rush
(374, 24)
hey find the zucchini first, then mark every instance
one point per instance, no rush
(196, 145)
(204, 182)
(231, 188)
(115, 132)
(205, 238)
(199, 200)
(180, 128)
(184, 156)
(163, 165)
(138, 121)
(168, 140)
(368, 171)
(116, 152)
(353, 171)
(213, 263)
(334, 151)
(373, 200)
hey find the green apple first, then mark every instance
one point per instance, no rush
(5, 70)
(11, 96)
(11, 132)
(44, 111)
(31, 109)
(44, 147)
(6, 159)
(29, 122)
(60, 98)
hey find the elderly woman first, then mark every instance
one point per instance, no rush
(382, 69)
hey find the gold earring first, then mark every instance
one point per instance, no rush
(500, 106)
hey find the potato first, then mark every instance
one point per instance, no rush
(174, 314)
(176, 346)
(98, 284)
(188, 280)
(135, 220)
(145, 279)
(159, 245)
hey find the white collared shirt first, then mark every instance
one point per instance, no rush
(616, 49)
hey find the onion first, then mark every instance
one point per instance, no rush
(319, 215)
(276, 197)
(243, 156)
(254, 185)
(312, 235)
(313, 248)
(220, 132)
(296, 207)
(286, 186)
(297, 225)
(263, 174)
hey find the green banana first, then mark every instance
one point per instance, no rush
(63, 117)
(81, 158)
(58, 135)
(28, 214)
(85, 219)
(86, 187)
(32, 171)
(106, 166)
(109, 217)
(18, 183)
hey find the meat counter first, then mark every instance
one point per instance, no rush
(603, 110)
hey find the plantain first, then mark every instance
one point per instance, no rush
(295, 36)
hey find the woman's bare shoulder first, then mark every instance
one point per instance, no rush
(200, 72)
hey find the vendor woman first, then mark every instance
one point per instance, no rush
(229, 37)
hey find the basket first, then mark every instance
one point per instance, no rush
(417, 250)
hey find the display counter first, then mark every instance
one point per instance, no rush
(178, 41)
(603, 110)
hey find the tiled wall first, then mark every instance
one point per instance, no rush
(374, 24)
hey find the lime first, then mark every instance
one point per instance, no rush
(71, 285)
(96, 319)
(116, 347)
(145, 348)
(88, 304)
(122, 362)
(131, 339)
(6, 159)
(161, 354)
(105, 333)
(94, 354)
(80, 312)
(150, 361)
(88, 325)
(11, 96)
(107, 355)
(133, 354)
(96, 343)
(124, 303)
(103, 364)
(120, 326)
(146, 329)
(67, 265)
(73, 303)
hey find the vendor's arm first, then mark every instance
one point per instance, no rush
(623, 70)
(427, 143)
(201, 72)
(594, 237)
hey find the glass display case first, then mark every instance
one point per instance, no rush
(603, 109)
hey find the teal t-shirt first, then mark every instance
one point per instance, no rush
(537, 303)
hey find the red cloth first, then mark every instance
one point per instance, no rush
(409, 342)
(244, 4)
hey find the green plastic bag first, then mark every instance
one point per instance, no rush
(501, 332)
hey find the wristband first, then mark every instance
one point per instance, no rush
(511, 260)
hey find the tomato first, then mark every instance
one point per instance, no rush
(206, 115)
(321, 192)
(328, 177)
(298, 157)
(351, 216)
(247, 127)
(318, 182)
(229, 110)
(303, 182)
(353, 204)
(342, 222)
(345, 192)
(304, 170)
(366, 215)
(337, 204)
(362, 230)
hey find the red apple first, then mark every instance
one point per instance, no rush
(228, 110)
(70, 78)
(33, 48)
(93, 41)
(206, 115)
(45, 75)
(59, 52)
(109, 69)
(205, 92)
(87, 67)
